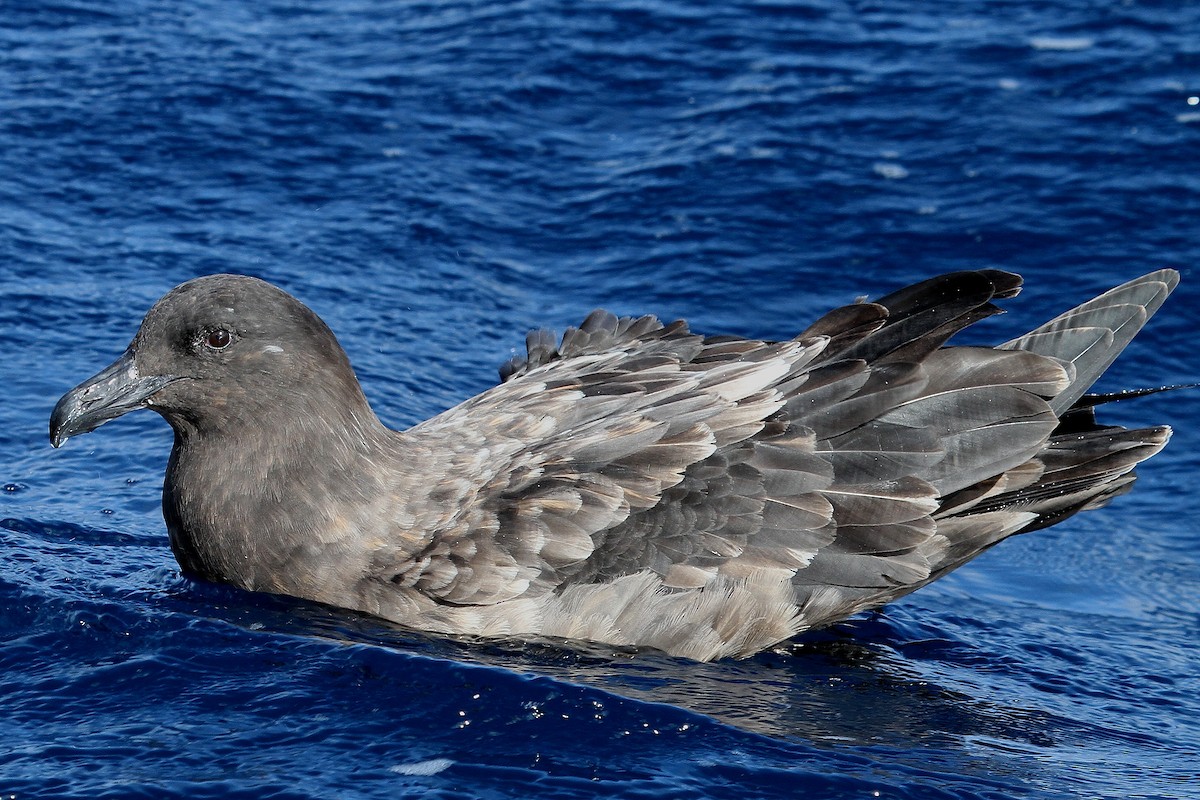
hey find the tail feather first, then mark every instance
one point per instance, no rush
(1089, 337)
(1079, 464)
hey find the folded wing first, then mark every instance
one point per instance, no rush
(850, 465)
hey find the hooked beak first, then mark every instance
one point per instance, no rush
(115, 390)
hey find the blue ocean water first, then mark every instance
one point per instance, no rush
(435, 178)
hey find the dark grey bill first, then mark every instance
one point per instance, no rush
(108, 394)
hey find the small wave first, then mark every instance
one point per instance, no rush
(1061, 42)
(423, 768)
(890, 170)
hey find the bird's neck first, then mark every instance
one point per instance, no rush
(270, 506)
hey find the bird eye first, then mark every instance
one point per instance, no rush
(218, 339)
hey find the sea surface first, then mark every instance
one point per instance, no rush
(436, 178)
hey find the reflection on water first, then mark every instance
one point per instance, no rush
(847, 685)
(847, 690)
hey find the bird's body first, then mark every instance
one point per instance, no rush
(635, 484)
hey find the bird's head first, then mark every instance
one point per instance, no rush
(214, 354)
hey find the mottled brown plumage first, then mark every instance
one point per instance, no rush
(632, 483)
